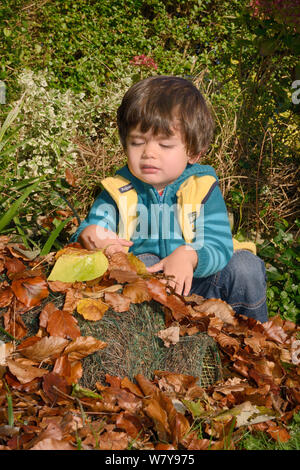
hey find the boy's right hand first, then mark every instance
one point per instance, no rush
(93, 237)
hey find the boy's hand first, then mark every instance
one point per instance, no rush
(93, 237)
(180, 264)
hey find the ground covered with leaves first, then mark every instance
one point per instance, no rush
(43, 405)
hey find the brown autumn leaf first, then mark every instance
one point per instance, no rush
(82, 347)
(14, 325)
(5, 350)
(179, 383)
(137, 291)
(49, 347)
(24, 372)
(113, 381)
(71, 371)
(158, 292)
(162, 446)
(62, 366)
(192, 442)
(53, 384)
(30, 291)
(179, 426)
(274, 332)
(278, 433)
(121, 260)
(30, 341)
(72, 297)
(112, 440)
(59, 286)
(6, 296)
(227, 342)
(148, 388)
(159, 416)
(46, 312)
(122, 276)
(63, 324)
(53, 444)
(70, 178)
(219, 308)
(169, 335)
(118, 302)
(129, 423)
(257, 342)
(91, 309)
(132, 387)
(114, 399)
(13, 266)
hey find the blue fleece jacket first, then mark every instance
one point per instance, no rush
(163, 233)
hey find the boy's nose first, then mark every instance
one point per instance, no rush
(149, 151)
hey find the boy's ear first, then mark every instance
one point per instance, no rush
(195, 158)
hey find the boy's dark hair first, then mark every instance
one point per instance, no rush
(154, 102)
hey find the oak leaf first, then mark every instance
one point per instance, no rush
(91, 309)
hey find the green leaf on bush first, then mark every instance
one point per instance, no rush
(77, 266)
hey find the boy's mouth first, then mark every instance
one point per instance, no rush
(149, 169)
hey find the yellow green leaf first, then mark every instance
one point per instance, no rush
(79, 266)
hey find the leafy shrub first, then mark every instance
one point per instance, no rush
(281, 254)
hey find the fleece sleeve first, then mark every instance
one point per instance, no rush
(213, 234)
(104, 212)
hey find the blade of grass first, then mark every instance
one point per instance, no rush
(21, 231)
(11, 117)
(47, 247)
(2, 330)
(10, 214)
(10, 410)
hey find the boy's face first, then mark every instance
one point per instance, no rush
(157, 160)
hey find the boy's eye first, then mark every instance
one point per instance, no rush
(166, 146)
(136, 143)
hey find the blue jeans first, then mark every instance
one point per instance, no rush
(242, 284)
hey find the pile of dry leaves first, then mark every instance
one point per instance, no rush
(42, 405)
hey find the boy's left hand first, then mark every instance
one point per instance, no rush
(180, 265)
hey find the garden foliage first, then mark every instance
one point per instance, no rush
(66, 66)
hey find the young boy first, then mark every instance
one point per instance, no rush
(168, 209)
